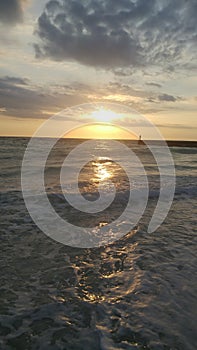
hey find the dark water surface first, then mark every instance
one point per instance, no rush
(138, 293)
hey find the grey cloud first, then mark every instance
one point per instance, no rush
(175, 126)
(154, 85)
(167, 98)
(151, 100)
(11, 11)
(13, 81)
(94, 33)
(119, 34)
(124, 89)
(123, 72)
(20, 98)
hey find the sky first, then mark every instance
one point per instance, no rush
(61, 53)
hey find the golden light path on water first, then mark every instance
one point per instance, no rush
(101, 172)
(102, 169)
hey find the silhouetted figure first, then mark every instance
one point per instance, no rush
(140, 140)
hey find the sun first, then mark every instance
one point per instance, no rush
(102, 125)
(104, 115)
(98, 131)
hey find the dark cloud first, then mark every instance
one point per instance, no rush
(20, 98)
(11, 11)
(94, 33)
(154, 85)
(167, 98)
(124, 89)
(117, 34)
(7, 81)
(151, 100)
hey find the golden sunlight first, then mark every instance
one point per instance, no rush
(104, 116)
(101, 131)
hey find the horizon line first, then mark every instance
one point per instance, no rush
(85, 138)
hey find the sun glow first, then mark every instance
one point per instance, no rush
(99, 131)
(101, 123)
(104, 115)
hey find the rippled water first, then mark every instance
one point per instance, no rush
(138, 293)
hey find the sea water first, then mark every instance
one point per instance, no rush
(137, 293)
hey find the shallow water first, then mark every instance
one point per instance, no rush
(137, 293)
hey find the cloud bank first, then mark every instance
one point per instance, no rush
(20, 97)
(117, 34)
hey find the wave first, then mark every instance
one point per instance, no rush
(122, 196)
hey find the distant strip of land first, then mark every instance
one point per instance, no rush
(170, 143)
(182, 143)
(176, 143)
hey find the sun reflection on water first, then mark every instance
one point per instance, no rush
(95, 176)
(102, 172)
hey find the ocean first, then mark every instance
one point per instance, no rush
(139, 292)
